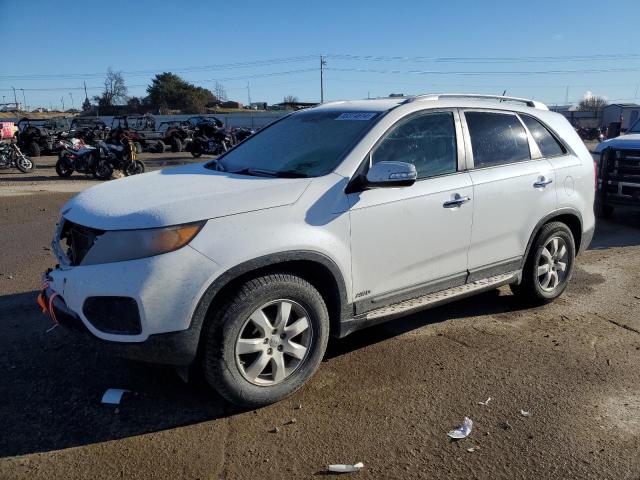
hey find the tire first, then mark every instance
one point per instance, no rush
(64, 167)
(159, 146)
(25, 164)
(34, 149)
(103, 170)
(176, 144)
(531, 290)
(196, 150)
(138, 146)
(134, 167)
(226, 373)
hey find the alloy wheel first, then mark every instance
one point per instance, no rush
(273, 342)
(553, 265)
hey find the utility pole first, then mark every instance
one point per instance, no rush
(323, 62)
(85, 91)
(566, 96)
(72, 106)
(15, 99)
(249, 94)
(24, 99)
(62, 101)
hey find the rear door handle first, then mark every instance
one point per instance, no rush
(542, 182)
(456, 201)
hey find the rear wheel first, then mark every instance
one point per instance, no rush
(266, 341)
(103, 170)
(34, 149)
(549, 265)
(160, 146)
(176, 144)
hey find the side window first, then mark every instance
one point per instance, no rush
(497, 139)
(548, 145)
(427, 141)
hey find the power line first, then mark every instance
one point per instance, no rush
(542, 59)
(478, 73)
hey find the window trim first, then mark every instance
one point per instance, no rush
(461, 151)
(534, 151)
(556, 137)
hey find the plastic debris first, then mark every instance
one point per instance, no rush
(290, 422)
(525, 413)
(298, 407)
(274, 430)
(486, 402)
(341, 468)
(471, 450)
(113, 396)
(462, 431)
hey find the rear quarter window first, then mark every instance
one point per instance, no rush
(547, 143)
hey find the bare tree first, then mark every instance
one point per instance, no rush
(290, 99)
(592, 104)
(220, 92)
(115, 91)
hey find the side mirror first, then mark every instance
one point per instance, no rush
(391, 174)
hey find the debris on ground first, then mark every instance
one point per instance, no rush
(486, 402)
(473, 449)
(274, 430)
(463, 431)
(341, 468)
(298, 406)
(505, 425)
(113, 396)
(51, 328)
(290, 422)
(524, 413)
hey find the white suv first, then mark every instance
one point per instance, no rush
(327, 221)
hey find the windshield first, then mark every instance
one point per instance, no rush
(309, 143)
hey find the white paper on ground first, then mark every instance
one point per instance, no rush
(113, 396)
(462, 431)
(525, 413)
(340, 468)
(486, 402)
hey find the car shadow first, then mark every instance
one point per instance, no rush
(53, 382)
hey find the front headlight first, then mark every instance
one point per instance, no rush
(121, 245)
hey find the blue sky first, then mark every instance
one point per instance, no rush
(470, 46)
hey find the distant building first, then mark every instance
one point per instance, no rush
(579, 118)
(625, 113)
(292, 105)
(258, 105)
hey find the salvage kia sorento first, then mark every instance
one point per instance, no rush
(329, 220)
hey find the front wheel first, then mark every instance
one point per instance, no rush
(196, 149)
(266, 341)
(548, 267)
(64, 167)
(24, 164)
(134, 167)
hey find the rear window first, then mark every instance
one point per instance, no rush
(497, 139)
(548, 145)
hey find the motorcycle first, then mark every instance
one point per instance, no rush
(100, 160)
(11, 156)
(211, 139)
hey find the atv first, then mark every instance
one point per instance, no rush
(88, 129)
(37, 136)
(140, 129)
(177, 134)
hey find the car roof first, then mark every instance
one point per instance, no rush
(436, 101)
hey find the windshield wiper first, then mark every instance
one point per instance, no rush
(257, 172)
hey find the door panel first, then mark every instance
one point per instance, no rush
(507, 208)
(405, 237)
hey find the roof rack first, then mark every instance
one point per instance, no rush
(502, 98)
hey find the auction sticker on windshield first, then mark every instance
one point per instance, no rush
(356, 116)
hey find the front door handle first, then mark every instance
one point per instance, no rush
(542, 182)
(456, 201)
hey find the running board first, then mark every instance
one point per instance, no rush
(434, 299)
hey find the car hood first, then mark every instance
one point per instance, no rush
(178, 195)
(631, 140)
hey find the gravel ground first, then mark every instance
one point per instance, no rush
(385, 396)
